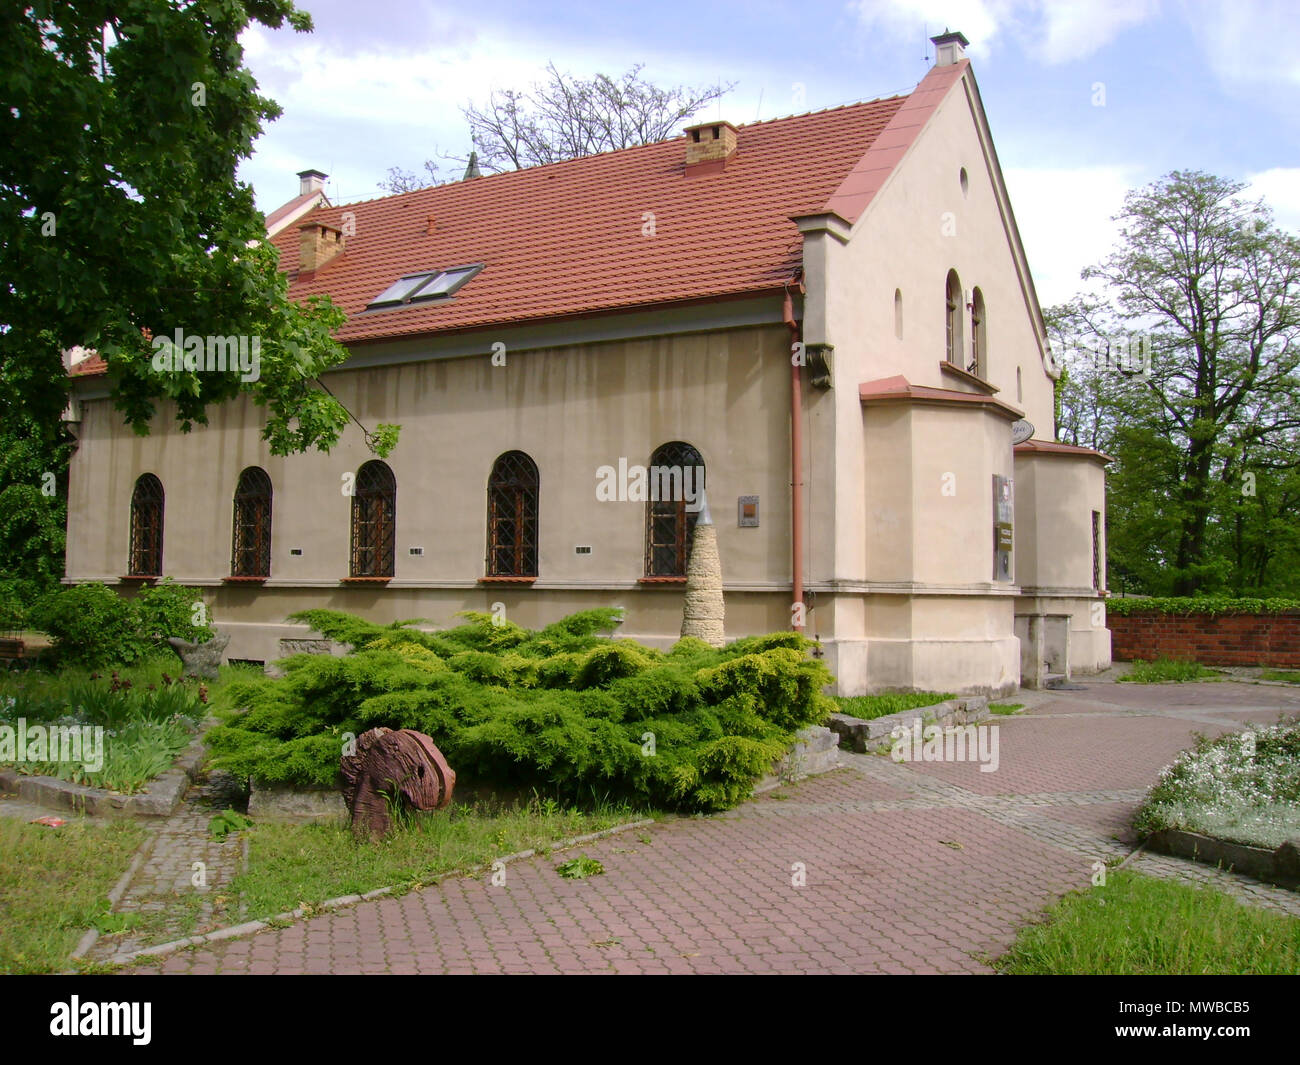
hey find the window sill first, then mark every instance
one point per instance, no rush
(661, 580)
(141, 578)
(245, 580)
(507, 580)
(364, 580)
(953, 370)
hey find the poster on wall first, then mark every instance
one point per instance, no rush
(1004, 511)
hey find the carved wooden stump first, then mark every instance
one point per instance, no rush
(388, 766)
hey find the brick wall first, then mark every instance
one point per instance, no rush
(1213, 640)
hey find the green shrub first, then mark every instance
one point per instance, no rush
(564, 709)
(169, 609)
(91, 625)
(1201, 604)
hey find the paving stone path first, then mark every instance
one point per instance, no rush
(167, 874)
(913, 867)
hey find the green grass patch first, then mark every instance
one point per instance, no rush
(54, 884)
(1163, 670)
(290, 865)
(1286, 676)
(869, 707)
(1243, 787)
(1141, 926)
(1005, 709)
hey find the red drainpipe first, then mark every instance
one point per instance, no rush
(796, 453)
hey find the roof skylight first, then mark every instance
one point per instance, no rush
(429, 285)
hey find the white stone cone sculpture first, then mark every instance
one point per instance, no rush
(704, 613)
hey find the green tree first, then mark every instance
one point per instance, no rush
(121, 125)
(121, 218)
(1215, 286)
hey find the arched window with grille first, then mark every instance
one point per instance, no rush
(512, 516)
(250, 553)
(953, 318)
(978, 352)
(676, 476)
(146, 527)
(374, 514)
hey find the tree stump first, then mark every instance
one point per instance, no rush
(390, 768)
(201, 659)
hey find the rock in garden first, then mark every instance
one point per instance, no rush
(201, 659)
(391, 769)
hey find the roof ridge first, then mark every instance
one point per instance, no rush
(614, 151)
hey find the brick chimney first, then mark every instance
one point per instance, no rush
(949, 48)
(310, 181)
(317, 245)
(710, 142)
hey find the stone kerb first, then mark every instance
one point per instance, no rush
(870, 735)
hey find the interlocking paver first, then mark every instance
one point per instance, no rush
(926, 867)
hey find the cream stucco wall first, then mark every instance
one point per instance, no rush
(898, 495)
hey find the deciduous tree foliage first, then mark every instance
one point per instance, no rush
(1205, 493)
(565, 117)
(122, 123)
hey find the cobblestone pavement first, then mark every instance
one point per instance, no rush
(906, 868)
(181, 861)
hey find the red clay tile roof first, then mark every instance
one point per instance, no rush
(1050, 447)
(566, 239)
(869, 174)
(287, 209)
(899, 389)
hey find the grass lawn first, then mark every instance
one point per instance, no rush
(294, 864)
(1287, 676)
(1137, 925)
(304, 865)
(869, 707)
(1167, 669)
(1005, 709)
(54, 884)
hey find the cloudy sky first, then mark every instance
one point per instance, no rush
(1086, 98)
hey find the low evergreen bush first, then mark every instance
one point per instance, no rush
(563, 708)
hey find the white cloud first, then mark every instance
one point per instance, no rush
(1280, 187)
(1248, 43)
(1054, 31)
(1078, 29)
(1064, 217)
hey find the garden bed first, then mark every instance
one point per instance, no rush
(1235, 800)
(78, 740)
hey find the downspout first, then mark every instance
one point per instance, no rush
(796, 457)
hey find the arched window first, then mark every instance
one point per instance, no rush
(676, 482)
(898, 313)
(374, 511)
(250, 552)
(978, 354)
(512, 516)
(146, 527)
(953, 318)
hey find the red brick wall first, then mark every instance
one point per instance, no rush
(1212, 640)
